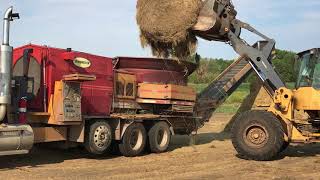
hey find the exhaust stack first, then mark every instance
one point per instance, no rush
(6, 63)
(14, 139)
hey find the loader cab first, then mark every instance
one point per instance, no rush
(307, 65)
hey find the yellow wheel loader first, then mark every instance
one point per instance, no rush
(262, 135)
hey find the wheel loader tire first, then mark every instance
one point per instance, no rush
(285, 146)
(159, 137)
(133, 141)
(98, 137)
(257, 135)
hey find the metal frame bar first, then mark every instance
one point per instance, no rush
(259, 55)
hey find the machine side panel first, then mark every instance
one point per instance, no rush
(96, 95)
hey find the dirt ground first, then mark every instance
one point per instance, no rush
(212, 158)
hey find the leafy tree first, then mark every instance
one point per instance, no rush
(210, 68)
(284, 65)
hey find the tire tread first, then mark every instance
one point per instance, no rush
(271, 121)
(124, 148)
(152, 133)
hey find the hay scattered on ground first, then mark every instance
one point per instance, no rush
(165, 26)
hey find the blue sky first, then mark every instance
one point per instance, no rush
(108, 27)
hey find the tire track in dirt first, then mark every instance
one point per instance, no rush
(213, 158)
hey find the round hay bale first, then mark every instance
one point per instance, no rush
(165, 26)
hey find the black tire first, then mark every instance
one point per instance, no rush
(114, 148)
(133, 141)
(159, 137)
(98, 137)
(257, 135)
(284, 146)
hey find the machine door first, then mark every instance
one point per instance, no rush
(308, 66)
(27, 81)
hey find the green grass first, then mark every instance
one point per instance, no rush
(291, 85)
(233, 102)
(228, 108)
(198, 87)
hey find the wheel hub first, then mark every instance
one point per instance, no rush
(256, 135)
(136, 139)
(162, 138)
(101, 136)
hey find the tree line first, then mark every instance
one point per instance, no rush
(210, 68)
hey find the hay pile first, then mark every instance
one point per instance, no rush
(165, 26)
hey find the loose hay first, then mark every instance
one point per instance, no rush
(165, 26)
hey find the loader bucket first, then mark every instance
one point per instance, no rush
(214, 20)
(207, 17)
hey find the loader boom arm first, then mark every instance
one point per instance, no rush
(259, 57)
(217, 22)
(225, 27)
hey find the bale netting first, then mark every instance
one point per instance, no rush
(165, 26)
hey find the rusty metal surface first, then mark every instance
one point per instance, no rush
(180, 124)
(49, 134)
(125, 86)
(161, 101)
(166, 91)
(79, 77)
(155, 63)
(71, 102)
(135, 116)
(159, 76)
(153, 70)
